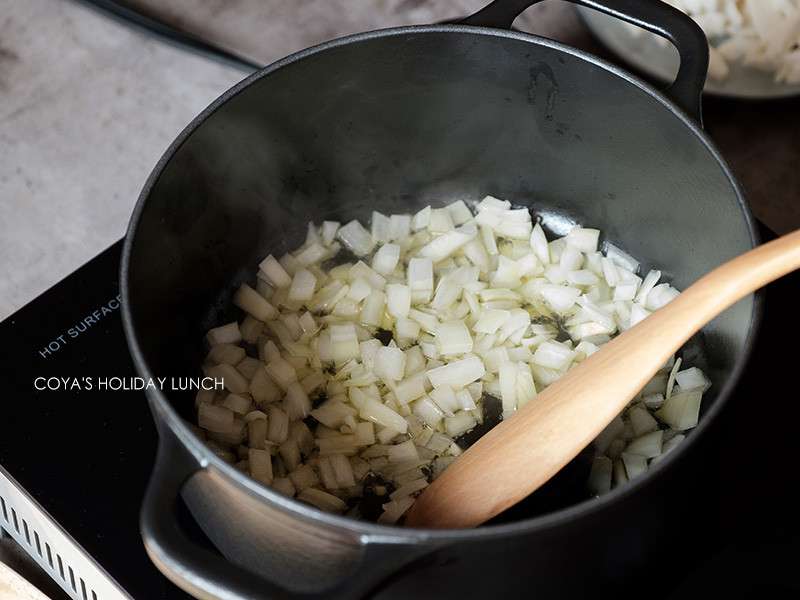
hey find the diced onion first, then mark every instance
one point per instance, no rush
(458, 373)
(681, 411)
(225, 334)
(385, 259)
(274, 272)
(356, 239)
(343, 370)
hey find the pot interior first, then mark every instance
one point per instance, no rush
(398, 120)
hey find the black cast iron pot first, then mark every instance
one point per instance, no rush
(393, 120)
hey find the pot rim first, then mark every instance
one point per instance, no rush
(371, 532)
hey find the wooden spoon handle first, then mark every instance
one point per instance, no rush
(523, 452)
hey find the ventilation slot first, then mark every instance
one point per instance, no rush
(27, 533)
(69, 566)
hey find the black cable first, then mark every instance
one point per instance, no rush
(127, 15)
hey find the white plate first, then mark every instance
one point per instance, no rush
(661, 61)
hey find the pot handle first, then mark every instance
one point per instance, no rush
(655, 16)
(209, 576)
(187, 564)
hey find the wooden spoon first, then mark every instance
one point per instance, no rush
(523, 452)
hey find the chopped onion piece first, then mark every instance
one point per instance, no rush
(508, 388)
(329, 229)
(440, 221)
(390, 363)
(274, 272)
(539, 244)
(445, 399)
(399, 227)
(343, 470)
(284, 486)
(303, 477)
(459, 212)
(313, 254)
(226, 353)
(647, 285)
(359, 289)
(278, 430)
(224, 334)
(238, 404)
(558, 297)
(453, 337)
(263, 389)
(553, 355)
(260, 463)
(344, 342)
(459, 423)
(681, 411)
(692, 379)
(372, 311)
(446, 244)
(290, 454)
(282, 372)
(372, 410)
(620, 475)
(668, 446)
(254, 303)
(421, 219)
(653, 401)
(458, 373)
(672, 374)
(232, 379)
(386, 258)
(660, 296)
(296, 404)
(635, 464)
(642, 421)
(214, 418)
(322, 500)
(638, 314)
(491, 320)
(381, 225)
(403, 452)
(356, 239)
(398, 300)
(302, 288)
(648, 445)
(337, 444)
(582, 239)
(621, 259)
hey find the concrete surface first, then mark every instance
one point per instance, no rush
(86, 108)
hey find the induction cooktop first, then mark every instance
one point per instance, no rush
(75, 459)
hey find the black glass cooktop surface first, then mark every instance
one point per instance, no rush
(85, 453)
